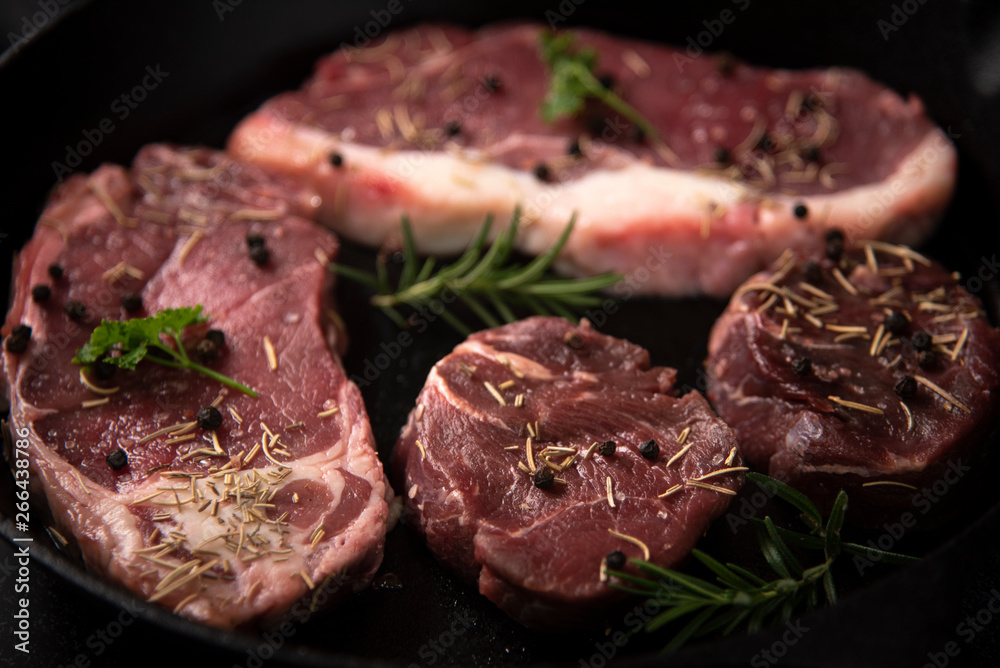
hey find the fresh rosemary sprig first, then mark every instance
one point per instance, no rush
(125, 343)
(742, 598)
(483, 279)
(573, 81)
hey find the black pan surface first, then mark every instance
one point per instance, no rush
(218, 60)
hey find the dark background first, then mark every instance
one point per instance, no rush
(220, 66)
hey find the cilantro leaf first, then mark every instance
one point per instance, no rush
(125, 343)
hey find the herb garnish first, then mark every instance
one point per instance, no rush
(125, 343)
(573, 81)
(741, 598)
(483, 279)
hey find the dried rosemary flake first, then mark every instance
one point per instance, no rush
(93, 403)
(719, 472)
(944, 394)
(683, 435)
(874, 483)
(960, 344)
(632, 539)
(610, 491)
(844, 283)
(876, 340)
(855, 405)
(272, 357)
(680, 453)
(710, 487)
(531, 458)
(328, 412)
(495, 392)
(590, 450)
(506, 384)
(909, 416)
(672, 490)
(423, 452)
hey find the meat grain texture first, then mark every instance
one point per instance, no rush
(556, 389)
(899, 339)
(442, 124)
(232, 531)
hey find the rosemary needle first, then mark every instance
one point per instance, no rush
(485, 279)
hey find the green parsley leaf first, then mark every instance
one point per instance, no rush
(125, 343)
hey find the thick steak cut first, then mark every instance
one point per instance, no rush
(228, 527)
(554, 389)
(876, 381)
(443, 125)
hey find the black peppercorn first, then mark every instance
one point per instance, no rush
(650, 450)
(834, 249)
(131, 302)
(18, 340)
(800, 210)
(55, 271)
(491, 83)
(259, 255)
(921, 340)
(573, 148)
(336, 160)
(543, 477)
(117, 460)
(452, 128)
(615, 560)
(766, 143)
(41, 293)
(802, 366)
(209, 418)
(75, 310)
(906, 387)
(206, 350)
(926, 359)
(722, 156)
(607, 448)
(216, 336)
(255, 240)
(542, 172)
(810, 153)
(896, 323)
(812, 271)
(833, 234)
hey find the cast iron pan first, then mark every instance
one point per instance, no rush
(218, 60)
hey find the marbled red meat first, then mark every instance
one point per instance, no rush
(464, 467)
(442, 124)
(259, 517)
(898, 337)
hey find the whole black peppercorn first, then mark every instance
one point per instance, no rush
(573, 148)
(921, 340)
(607, 448)
(336, 160)
(906, 387)
(206, 350)
(55, 271)
(255, 240)
(834, 234)
(75, 310)
(452, 128)
(722, 156)
(543, 477)
(810, 153)
(259, 255)
(615, 560)
(41, 293)
(766, 143)
(209, 418)
(131, 302)
(650, 450)
(117, 460)
(216, 336)
(812, 272)
(18, 340)
(491, 82)
(896, 323)
(800, 210)
(542, 172)
(834, 249)
(926, 359)
(802, 366)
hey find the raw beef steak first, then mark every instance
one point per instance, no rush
(442, 124)
(228, 518)
(537, 449)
